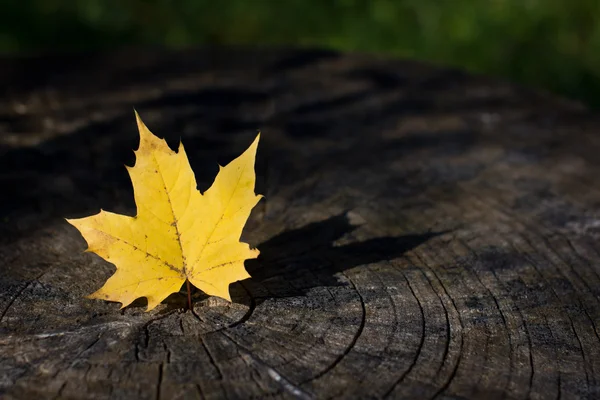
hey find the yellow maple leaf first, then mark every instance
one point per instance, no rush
(178, 233)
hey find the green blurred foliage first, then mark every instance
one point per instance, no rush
(553, 44)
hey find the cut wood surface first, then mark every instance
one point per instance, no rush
(425, 233)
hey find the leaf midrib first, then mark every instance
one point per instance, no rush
(175, 220)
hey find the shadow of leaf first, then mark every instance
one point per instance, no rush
(296, 261)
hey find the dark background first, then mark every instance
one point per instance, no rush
(552, 44)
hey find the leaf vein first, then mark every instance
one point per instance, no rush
(157, 258)
(237, 184)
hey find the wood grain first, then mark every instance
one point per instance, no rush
(425, 233)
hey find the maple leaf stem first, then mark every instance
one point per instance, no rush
(189, 291)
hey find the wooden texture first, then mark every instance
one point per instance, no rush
(425, 233)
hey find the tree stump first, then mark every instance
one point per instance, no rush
(425, 233)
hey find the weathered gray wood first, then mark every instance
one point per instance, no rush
(425, 233)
